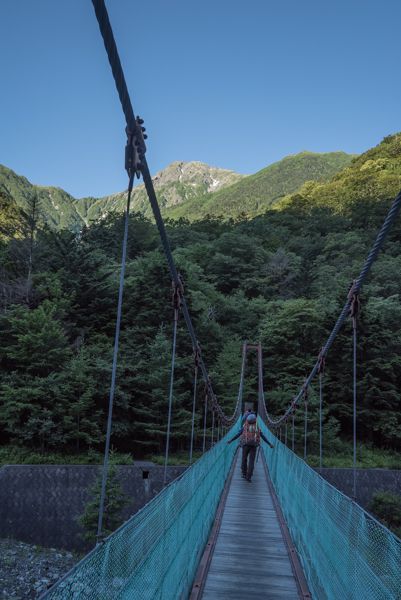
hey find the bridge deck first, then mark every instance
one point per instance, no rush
(250, 559)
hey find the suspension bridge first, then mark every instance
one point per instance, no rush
(209, 535)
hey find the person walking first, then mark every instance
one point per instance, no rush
(250, 442)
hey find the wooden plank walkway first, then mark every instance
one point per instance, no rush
(250, 559)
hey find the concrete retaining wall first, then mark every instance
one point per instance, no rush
(39, 503)
(368, 481)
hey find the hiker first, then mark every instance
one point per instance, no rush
(250, 441)
(247, 412)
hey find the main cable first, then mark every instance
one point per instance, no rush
(114, 60)
(392, 215)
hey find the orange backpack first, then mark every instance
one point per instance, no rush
(251, 434)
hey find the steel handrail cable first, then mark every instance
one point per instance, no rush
(392, 215)
(114, 60)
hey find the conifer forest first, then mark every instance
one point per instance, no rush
(280, 278)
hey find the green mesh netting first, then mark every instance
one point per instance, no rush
(155, 555)
(345, 554)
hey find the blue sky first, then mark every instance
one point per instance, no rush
(235, 85)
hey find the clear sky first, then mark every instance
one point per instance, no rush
(237, 85)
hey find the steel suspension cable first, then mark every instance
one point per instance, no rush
(392, 215)
(112, 53)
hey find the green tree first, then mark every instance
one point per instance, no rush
(81, 420)
(115, 500)
(387, 508)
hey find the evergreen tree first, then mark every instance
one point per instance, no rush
(115, 500)
(81, 418)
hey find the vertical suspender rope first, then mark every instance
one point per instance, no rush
(193, 420)
(212, 428)
(305, 392)
(207, 389)
(204, 427)
(178, 290)
(355, 307)
(286, 425)
(170, 402)
(354, 424)
(320, 369)
(293, 422)
(218, 430)
(196, 364)
(320, 422)
(113, 374)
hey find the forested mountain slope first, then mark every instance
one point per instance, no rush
(281, 278)
(374, 174)
(255, 194)
(57, 206)
(179, 182)
(190, 189)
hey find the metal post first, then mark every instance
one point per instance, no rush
(170, 403)
(193, 421)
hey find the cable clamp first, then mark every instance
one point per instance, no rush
(135, 150)
(355, 304)
(305, 392)
(322, 361)
(178, 292)
(197, 357)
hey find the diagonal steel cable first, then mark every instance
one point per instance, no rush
(114, 60)
(391, 217)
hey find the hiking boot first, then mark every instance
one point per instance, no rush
(243, 476)
(248, 480)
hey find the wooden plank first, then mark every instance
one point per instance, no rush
(250, 557)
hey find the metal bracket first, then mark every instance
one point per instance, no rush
(197, 357)
(135, 150)
(178, 292)
(355, 304)
(305, 392)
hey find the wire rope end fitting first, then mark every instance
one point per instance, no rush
(321, 362)
(197, 357)
(355, 304)
(135, 150)
(178, 292)
(305, 391)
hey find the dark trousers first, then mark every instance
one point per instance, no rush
(248, 466)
